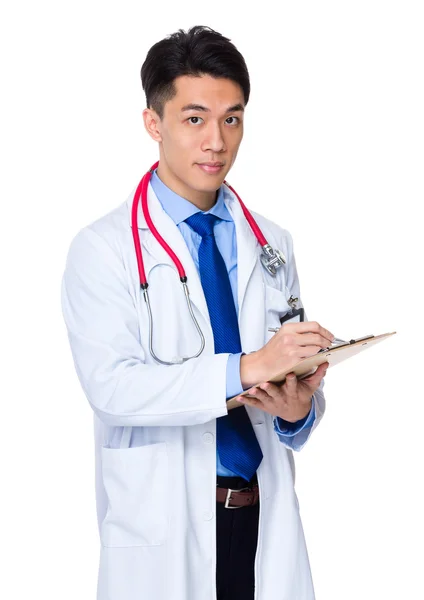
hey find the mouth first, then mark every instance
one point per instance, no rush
(211, 168)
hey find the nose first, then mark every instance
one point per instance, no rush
(214, 139)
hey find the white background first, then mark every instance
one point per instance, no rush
(333, 151)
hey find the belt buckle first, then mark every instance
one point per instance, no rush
(227, 499)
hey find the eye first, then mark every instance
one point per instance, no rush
(238, 120)
(189, 119)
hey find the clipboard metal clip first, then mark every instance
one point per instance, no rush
(338, 343)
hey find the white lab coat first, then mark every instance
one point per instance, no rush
(155, 426)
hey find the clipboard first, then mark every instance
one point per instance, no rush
(333, 355)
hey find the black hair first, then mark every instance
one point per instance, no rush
(198, 51)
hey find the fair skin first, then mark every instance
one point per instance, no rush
(210, 133)
(202, 123)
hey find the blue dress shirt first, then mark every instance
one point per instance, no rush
(179, 209)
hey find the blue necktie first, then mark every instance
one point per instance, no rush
(237, 444)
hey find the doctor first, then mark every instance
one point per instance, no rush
(167, 449)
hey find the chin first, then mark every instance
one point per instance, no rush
(208, 183)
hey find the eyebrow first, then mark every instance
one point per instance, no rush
(200, 108)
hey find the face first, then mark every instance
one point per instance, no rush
(203, 123)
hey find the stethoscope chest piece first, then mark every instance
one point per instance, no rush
(272, 259)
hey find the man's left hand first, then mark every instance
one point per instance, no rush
(291, 401)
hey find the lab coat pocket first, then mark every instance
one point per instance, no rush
(136, 482)
(276, 306)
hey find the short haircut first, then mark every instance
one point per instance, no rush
(198, 51)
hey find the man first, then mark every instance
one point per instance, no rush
(167, 448)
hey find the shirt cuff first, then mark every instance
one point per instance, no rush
(288, 429)
(234, 386)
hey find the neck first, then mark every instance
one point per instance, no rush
(202, 200)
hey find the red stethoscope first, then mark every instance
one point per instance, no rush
(271, 258)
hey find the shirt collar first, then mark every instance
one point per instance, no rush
(179, 209)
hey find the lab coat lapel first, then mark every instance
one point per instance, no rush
(172, 236)
(250, 289)
(249, 277)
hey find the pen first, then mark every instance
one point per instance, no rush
(339, 341)
(335, 341)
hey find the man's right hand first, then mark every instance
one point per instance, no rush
(291, 343)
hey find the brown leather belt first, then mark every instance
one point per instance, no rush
(238, 498)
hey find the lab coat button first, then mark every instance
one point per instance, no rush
(208, 438)
(208, 515)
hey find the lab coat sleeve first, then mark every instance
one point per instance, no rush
(103, 331)
(292, 437)
(286, 428)
(298, 439)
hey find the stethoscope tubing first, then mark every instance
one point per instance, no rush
(275, 258)
(141, 194)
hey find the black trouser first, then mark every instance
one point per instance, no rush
(236, 540)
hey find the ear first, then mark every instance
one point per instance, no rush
(152, 123)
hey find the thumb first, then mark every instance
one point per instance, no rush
(316, 377)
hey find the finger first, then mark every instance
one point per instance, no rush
(322, 368)
(310, 339)
(308, 327)
(259, 394)
(319, 374)
(305, 351)
(291, 383)
(251, 401)
(270, 388)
